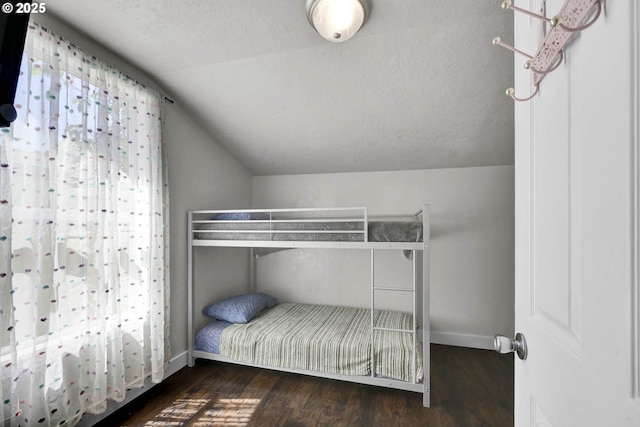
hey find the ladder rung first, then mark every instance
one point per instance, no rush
(408, 331)
(376, 288)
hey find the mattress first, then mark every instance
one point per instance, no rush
(320, 338)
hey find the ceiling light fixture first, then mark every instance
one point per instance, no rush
(337, 20)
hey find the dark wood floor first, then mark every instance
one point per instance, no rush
(469, 388)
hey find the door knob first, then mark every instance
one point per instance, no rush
(506, 345)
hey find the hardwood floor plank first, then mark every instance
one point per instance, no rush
(390, 407)
(361, 407)
(469, 388)
(294, 417)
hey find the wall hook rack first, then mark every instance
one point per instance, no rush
(568, 21)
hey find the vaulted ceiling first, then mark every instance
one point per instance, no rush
(419, 86)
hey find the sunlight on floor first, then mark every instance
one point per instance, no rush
(228, 412)
(178, 413)
(225, 412)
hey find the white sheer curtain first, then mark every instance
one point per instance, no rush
(83, 238)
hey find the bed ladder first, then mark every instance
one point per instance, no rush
(374, 288)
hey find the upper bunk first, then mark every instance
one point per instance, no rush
(349, 228)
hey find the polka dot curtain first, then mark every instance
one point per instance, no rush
(83, 237)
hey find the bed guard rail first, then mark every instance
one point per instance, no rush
(317, 226)
(320, 224)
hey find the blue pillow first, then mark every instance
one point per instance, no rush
(241, 308)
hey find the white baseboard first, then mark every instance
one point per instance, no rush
(462, 340)
(176, 363)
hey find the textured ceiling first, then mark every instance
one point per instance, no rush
(420, 86)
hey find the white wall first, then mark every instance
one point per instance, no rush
(202, 175)
(472, 252)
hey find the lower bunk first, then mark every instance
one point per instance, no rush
(324, 341)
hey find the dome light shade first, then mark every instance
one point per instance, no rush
(337, 20)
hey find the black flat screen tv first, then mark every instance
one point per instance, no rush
(13, 31)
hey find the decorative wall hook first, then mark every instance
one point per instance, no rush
(562, 20)
(562, 26)
(528, 65)
(512, 93)
(497, 41)
(506, 5)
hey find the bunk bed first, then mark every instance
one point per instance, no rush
(363, 345)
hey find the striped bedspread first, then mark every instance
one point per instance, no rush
(326, 339)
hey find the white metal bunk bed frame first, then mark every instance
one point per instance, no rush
(421, 275)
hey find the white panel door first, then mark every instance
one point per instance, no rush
(577, 293)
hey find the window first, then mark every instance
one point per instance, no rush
(83, 237)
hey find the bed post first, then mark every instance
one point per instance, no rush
(253, 286)
(190, 360)
(426, 301)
